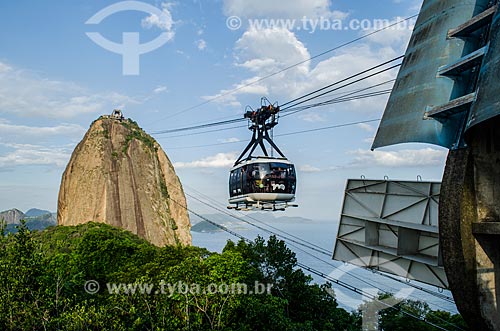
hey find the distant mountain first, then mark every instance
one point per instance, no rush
(276, 217)
(12, 216)
(204, 226)
(36, 219)
(34, 212)
(292, 219)
(199, 225)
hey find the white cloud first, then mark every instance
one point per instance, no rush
(229, 99)
(266, 53)
(230, 140)
(160, 89)
(415, 6)
(224, 98)
(402, 158)
(366, 127)
(28, 95)
(395, 35)
(312, 117)
(258, 89)
(348, 61)
(309, 168)
(278, 9)
(201, 44)
(4, 67)
(369, 140)
(39, 131)
(269, 50)
(163, 22)
(220, 160)
(27, 154)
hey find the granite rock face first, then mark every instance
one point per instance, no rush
(12, 216)
(119, 175)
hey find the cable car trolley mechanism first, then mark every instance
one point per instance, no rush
(262, 182)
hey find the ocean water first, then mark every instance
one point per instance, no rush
(322, 233)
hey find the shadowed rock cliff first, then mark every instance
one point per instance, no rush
(119, 175)
(12, 216)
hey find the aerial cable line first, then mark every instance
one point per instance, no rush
(261, 222)
(357, 90)
(359, 278)
(257, 226)
(308, 244)
(298, 109)
(348, 84)
(420, 288)
(343, 80)
(293, 244)
(331, 279)
(301, 242)
(202, 126)
(292, 110)
(344, 95)
(354, 93)
(334, 101)
(317, 272)
(280, 135)
(288, 68)
(371, 296)
(330, 127)
(241, 119)
(207, 131)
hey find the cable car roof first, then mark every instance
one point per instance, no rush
(261, 159)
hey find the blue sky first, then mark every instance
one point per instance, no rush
(54, 81)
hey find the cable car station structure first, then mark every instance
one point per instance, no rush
(447, 93)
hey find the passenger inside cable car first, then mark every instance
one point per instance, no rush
(263, 178)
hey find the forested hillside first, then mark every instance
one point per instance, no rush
(97, 277)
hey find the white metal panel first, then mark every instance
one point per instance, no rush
(395, 221)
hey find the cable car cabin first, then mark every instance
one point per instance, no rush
(262, 182)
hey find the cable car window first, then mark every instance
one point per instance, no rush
(280, 170)
(238, 180)
(260, 171)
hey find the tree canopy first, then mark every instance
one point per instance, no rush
(97, 277)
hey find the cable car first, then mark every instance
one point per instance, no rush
(262, 182)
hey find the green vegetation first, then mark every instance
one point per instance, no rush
(39, 222)
(136, 133)
(398, 318)
(43, 277)
(173, 225)
(164, 189)
(105, 132)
